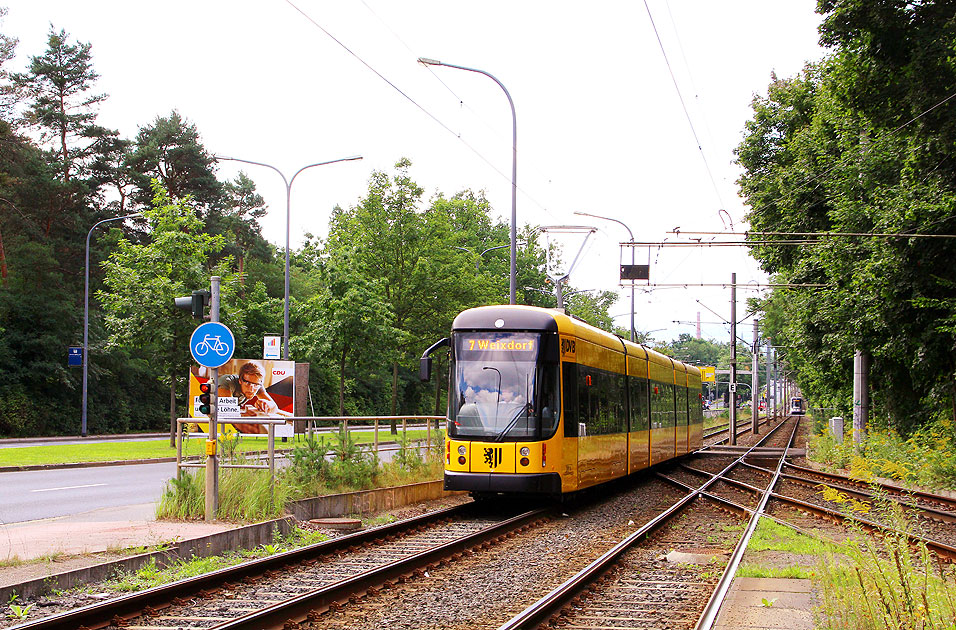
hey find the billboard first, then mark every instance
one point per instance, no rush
(248, 388)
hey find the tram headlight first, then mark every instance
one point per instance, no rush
(525, 451)
(462, 449)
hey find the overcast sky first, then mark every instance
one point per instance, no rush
(600, 123)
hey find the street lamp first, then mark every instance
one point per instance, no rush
(288, 205)
(86, 316)
(478, 260)
(514, 168)
(631, 234)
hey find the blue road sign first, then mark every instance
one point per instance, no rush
(74, 357)
(212, 344)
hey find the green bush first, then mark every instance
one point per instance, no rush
(308, 461)
(927, 457)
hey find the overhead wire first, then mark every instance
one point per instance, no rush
(683, 105)
(411, 100)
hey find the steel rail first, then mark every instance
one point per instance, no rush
(159, 597)
(928, 496)
(540, 611)
(298, 609)
(733, 505)
(939, 515)
(711, 610)
(940, 548)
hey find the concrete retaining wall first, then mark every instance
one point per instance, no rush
(368, 501)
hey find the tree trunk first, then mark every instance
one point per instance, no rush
(64, 150)
(3, 263)
(172, 410)
(394, 426)
(342, 382)
(953, 382)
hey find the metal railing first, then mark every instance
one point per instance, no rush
(271, 422)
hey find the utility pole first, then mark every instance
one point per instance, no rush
(776, 384)
(733, 359)
(768, 383)
(212, 459)
(755, 386)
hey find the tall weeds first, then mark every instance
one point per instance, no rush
(316, 467)
(884, 581)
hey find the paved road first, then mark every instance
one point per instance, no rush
(39, 494)
(32, 495)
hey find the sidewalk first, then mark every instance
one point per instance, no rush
(106, 529)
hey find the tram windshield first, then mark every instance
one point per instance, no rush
(501, 390)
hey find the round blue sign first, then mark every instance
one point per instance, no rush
(212, 344)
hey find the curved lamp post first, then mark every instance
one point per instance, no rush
(288, 205)
(514, 166)
(86, 316)
(478, 260)
(631, 234)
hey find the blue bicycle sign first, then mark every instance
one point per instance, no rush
(212, 344)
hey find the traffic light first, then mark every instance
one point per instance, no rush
(205, 391)
(195, 303)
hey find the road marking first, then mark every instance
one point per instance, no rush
(89, 485)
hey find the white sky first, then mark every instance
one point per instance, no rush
(600, 125)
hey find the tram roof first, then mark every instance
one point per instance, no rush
(508, 317)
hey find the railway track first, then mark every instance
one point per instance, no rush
(669, 566)
(290, 587)
(631, 587)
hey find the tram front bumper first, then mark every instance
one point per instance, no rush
(530, 483)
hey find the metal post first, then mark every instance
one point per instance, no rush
(179, 448)
(733, 359)
(86, 317)
(861, 397)
(776, 384)
(768, 383)
(288, 215)
(631, 236)
(755, 386)
(272, 456)
(212, 458)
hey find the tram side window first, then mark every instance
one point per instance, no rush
(667, 406)
(569, 387)
(681, 406)
(640, 412)
(601, 401)
(658, 396)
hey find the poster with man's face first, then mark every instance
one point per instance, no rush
(247, 389)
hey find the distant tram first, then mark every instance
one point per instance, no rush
(541, 403)
(797, 407)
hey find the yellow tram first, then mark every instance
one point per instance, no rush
(542, 403)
